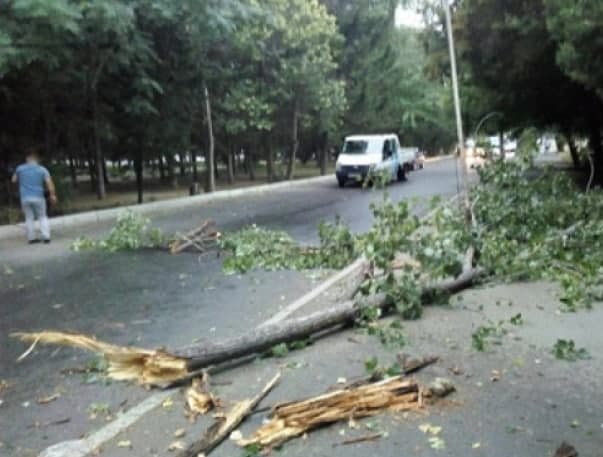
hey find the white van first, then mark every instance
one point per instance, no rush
(363, 155)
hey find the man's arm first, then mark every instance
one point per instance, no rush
(14, 179)
(51, 190)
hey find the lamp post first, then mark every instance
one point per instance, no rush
(457, 109)
(479, 126)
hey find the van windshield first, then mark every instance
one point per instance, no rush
(355, 147)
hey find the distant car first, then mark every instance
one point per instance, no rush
(364, 155)
(419, 162)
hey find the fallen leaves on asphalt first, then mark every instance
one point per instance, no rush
(124, 443)
(430, 429)
(176, 446)
(179, 433)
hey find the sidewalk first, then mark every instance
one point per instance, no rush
(513, 399)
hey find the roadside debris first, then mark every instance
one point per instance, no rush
(198, 398)
(289, 420)
(362, 439)
(176, 446)
(200, 239)
(180, 433)
(227, 422)
(125, 363)
(566, 450)
(38, 424)
(160, 367)
(48, 399)
(411, 365)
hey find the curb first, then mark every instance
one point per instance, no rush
(84, 446)
(104, 215)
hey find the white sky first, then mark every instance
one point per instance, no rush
(408, 18)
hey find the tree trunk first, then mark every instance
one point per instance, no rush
(597, 152)
(105, 175)
(573, 151)
(269, 157)
(73, 171)
(91, 168)
(182, 165)
(501, 138)
(138, 169)
(171, 171)
(323, 154)
(249, 160)
(98, 153)
(209, 165)
(294, 141)
(260, 339)
(161, 166)
(230, 164)
(194, 165)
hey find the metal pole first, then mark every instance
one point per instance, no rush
(457, 108)
(483, 120)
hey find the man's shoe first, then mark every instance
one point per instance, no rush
(33, 241)
(47, 241)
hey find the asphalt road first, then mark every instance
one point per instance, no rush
(149, 298)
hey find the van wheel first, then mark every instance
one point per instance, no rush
(401, 174)
(341, 182)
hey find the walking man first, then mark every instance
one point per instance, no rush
(33, 179)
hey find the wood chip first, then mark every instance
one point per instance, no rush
(176, 446)
(49, 399)
(198, 398)
(361, 439)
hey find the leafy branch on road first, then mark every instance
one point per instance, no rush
(256, 247)
(131, 231)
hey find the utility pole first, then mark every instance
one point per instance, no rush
(457, 109)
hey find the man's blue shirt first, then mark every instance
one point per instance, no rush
(31, 178)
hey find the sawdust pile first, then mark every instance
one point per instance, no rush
(125, 363)
(293, 419)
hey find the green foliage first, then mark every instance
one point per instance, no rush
(255, 247)
(536, 225)
(576, 26)
(131, 231)
(252, 450)
(534, 61)
(484, 335)
(517, 319)
(528, 147)
(373, 368)
(280, 350)
(566, 350)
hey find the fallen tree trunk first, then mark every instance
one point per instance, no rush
(167, 366)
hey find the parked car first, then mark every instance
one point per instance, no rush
(364, 155)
